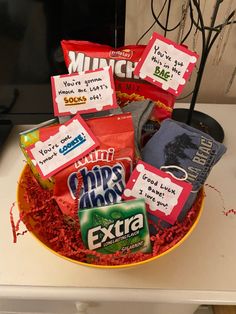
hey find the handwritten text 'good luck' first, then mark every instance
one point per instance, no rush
(156, 191)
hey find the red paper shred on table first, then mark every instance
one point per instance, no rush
(225, 211)
(13, 225)
(219, 193)
(230, 211)
(42, 216)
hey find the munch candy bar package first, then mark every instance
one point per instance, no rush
(116, 228)
(99, 178)
(84, 55)
(30, 137)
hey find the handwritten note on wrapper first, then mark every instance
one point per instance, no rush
(166, 64)
(163, 194)
(83, 92)
(70, 142)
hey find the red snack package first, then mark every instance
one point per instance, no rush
(99, 178)
(83, 55)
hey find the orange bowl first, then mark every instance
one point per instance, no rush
(25, 210)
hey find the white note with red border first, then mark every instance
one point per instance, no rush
(164, 195)
(83, 92)
(166, 64)
(62, 146)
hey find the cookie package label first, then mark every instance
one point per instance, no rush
(63, 146)
(83, 92)
(166, 64)
(164, 195)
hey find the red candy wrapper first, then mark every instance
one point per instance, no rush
(99, 178)
(83, 55)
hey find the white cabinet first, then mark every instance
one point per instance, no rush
(200, 271)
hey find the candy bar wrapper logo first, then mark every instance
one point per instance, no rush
(121, 54)
(164, 195)
(166, 64)
(122, 68)
(73, 141)
(83, 92)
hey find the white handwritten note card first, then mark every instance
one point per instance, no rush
(70, 142)
(83, 92)
(166, 64)
(164, 195)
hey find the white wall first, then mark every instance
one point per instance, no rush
(216, 77)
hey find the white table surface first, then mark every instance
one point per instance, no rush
(201, 270)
